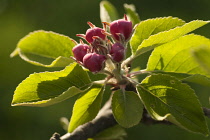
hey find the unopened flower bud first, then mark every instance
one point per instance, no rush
(80, 51)
(117, 52)
(94, 62)
(121, 27)
(95, 31)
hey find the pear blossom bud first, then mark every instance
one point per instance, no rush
(95, 31)
(117, 52)
(121, 27)
(94, 62)
(80, 51)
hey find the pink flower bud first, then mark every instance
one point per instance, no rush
(95, 31)
(94, 62)
(117, 52)
(80, 51)
(122, 27)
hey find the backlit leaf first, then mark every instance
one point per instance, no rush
(131, 13)
(108, 12)
(176, 56)
(86, 107)
(165, 97)
(46, 49)
(151, 27)
(202, 55)
(47, 88)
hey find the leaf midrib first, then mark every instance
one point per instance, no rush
(169, 106)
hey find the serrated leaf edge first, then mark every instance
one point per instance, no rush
(52, 64)
(140, 46)
(152, 19)
(33, 102)
(192, 34)
(169, 114)
(101, 90)
(38, 103)
(18, 50)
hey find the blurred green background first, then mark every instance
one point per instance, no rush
(19, 17)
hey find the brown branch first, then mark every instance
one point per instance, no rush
(104, 120)
(206, 112)
(55, 136)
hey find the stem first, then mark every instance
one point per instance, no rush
(127, 61)
(117, 75)
(132, 74)
(104, 120)
(99, 82)
(115, 70)
(110, 65)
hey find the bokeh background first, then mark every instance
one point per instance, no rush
(19, 17)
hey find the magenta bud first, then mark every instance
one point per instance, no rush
(122, 27)
(95, 31)
(80, 51)
(117, 52)
(94, 62)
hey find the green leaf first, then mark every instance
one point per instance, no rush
(113, 133)
(193, 78)
(64, 122)
(47, 88)
(165, 97)
(95, 77)
(86, 107)
(46, 49)
(131, 13)
(151, 27)
(167, 36)
(176, 56)
(108, 12)
(198, 79)
(201, 55)
(127, 108)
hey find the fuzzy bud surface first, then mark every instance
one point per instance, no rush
(94, 62)
(90, 33)
(80, 51)
(117, 52)
(122, 27)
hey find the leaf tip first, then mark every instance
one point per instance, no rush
(129, 6)
(14, 104)
(14, 53)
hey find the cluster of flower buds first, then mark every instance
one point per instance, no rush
(103, 45)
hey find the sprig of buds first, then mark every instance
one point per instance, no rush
(105, 47)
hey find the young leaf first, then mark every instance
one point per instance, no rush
(47, 88)
(201, 55)
(167, 36)
(86, 107)
(150, 27)
(165, 97)
(176, 57)
(131, 13)
(46, 49)
(108, 12)
(127, 108)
